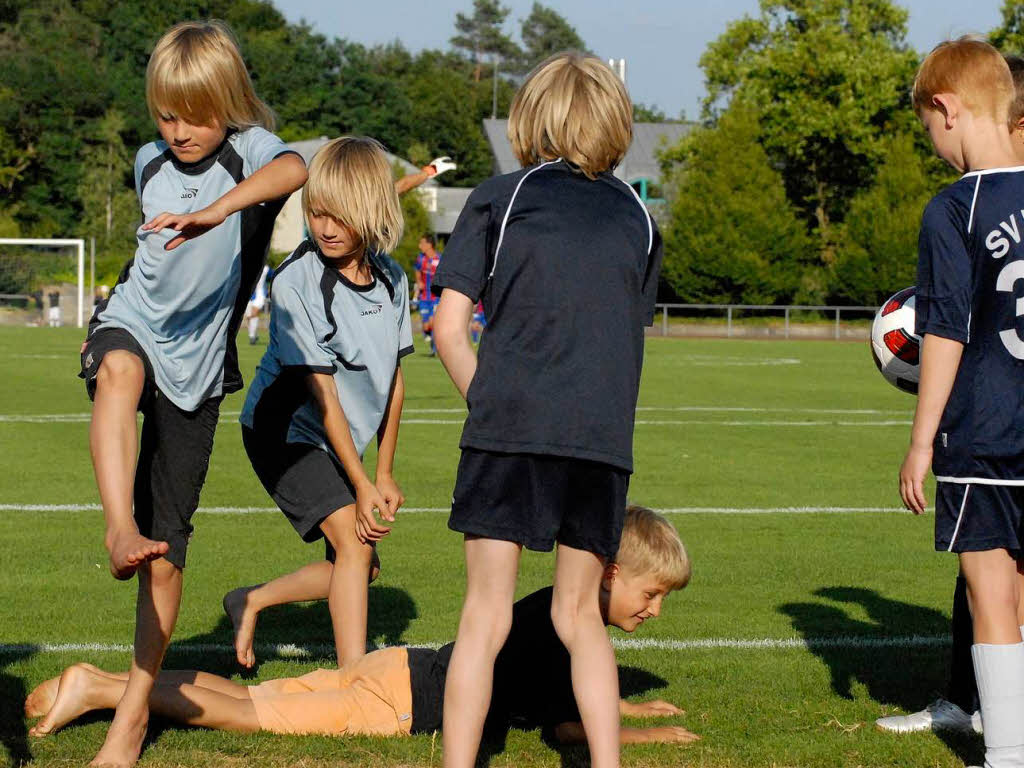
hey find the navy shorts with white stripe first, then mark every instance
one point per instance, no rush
(975, 517)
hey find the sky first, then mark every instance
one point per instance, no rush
(661, 40)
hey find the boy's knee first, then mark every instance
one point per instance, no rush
(119, 367)
(339, 530)
(489, 620)
(568, 614)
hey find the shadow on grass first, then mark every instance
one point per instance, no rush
(13, 733)
(908, 677)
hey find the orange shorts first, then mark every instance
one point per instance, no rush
(371, 696)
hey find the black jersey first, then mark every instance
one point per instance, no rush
(970, 288)
(567, 268)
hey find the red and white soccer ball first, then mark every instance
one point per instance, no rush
(894, 345)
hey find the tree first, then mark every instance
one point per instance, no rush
(1008, 37)
(544, 33)
(878, 253)
(481, 34)
(828, 79)
(110, 210)
(732, 236)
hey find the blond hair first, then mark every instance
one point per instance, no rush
(350, 179)
(572, 106)
(970, 68)
(197, 73)
(651, 545)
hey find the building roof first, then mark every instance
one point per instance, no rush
(641, 159)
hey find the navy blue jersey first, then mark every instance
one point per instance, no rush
(567, 268)
(970, 288)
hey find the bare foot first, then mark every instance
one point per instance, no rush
(70, 702)
(243, 619)
(40, 701)
(131, 549)
(124, 740)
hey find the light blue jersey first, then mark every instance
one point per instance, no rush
(184, 306)
(323, 323)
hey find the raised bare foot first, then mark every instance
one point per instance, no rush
(124, 740)
(40, 701)
(131, 549)
(71, 701)
(243, 615)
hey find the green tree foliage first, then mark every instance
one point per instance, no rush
(1008, 37)
(545, 32)
(732, 237)
(829, 79)
(877, 254)
(110, 209)
(480, 35)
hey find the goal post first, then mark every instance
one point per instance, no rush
(79, 246)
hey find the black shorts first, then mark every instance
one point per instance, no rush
(536, 500)
(306, 482)
(174, 454)
(973, 517)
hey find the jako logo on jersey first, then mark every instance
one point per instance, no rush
(189, 193)
(374, 310)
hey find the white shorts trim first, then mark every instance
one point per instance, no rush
(977, 481)
(959, 518)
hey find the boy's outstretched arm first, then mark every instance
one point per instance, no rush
(451, 335)
(322, 386)
(940, 358)
(278, 178)
(387, 442)
(652, 708)
(573, 733)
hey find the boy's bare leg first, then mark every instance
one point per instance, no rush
(113, 442)
(39, 702)
(155, 616)
(347, 597)
(243, 605)
(491, 570)
(993, 592)
(576, 614)
(84, 689)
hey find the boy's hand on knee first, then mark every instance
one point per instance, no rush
(393, 496)
(368, 528)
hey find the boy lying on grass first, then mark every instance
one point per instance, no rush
(397, 691)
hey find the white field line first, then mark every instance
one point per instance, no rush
(320, 650)
(44, 418)
(807, 510)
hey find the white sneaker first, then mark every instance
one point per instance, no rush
(940, 715)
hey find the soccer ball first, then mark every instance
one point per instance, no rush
(894, 345)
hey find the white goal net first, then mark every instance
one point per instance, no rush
(42, 281)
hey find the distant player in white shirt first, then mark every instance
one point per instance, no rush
(257, 301)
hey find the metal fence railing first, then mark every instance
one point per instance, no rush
(834, 313)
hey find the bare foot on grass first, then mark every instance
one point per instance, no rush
(41, 699)
(124, 740)
(243, 618)
(131, 549)
(71, 700)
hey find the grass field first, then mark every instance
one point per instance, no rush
(779, 462)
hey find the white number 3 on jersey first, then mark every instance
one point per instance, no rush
(1011, 273)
